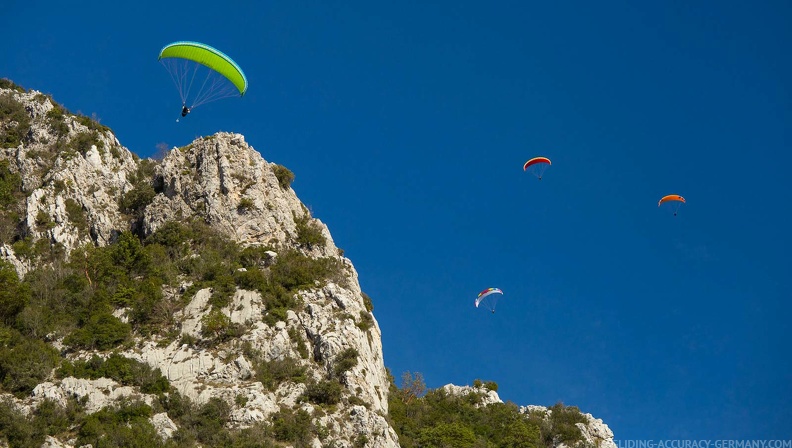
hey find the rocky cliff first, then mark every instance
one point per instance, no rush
(79, 188)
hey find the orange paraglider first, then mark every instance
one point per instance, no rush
(675, 199)
(537, 166)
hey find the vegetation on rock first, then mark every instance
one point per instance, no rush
(438, 419)
(284, 175)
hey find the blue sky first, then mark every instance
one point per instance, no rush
(407, 124)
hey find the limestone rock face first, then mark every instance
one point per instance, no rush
(73, 172)
(487, 396)
(100, 392)
(226, 181)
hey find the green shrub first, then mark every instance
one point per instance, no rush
(125, 424)
(142, 297)
(24, 363)
(251, 279)
(44, 221)
(295, 271)
(93, 282)
(254, 256)
(102, 331)
(46, 251)
(82, 142)
(14, 295)
(291, 426)
(367, 302)
(76, 215)
(309, 233)
(15, 427)
(91, 123)
(14, 121)
(128, 372)
(213, 260)
(23, 248)
(245, 205)
(291, 272)
(455, 435)
(174, 236)
(563, 427)
(136, 199)
(366, 321)
(273, 373)
(56, 120)
(10, 185)
(6, 83)
(188, 339)
(294, 336)
(326, 392)
(521, 433)
(345, 361)
(45, 311)
(275, 314)
(142, 193)
(127, 253)
(360, 441)
(59, 187)
(8, 226)
(240, 400)
(48, 418)
(215, 324)
(203, 424)
(223, 288)
(284, 175)
(175, 405)
(491, 385)
(353, 400)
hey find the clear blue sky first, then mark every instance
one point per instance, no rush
(407, 124)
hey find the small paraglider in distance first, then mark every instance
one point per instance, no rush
(674, 200)
(488, 299)
(537, 166)
(193, 64)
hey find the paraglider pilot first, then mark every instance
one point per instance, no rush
(185, 111)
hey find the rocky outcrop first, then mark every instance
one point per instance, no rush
(73, 171)
(594, 431)
(99, 393)
(487, 396)
(227, 182)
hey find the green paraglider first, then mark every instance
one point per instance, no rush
(193, 63)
